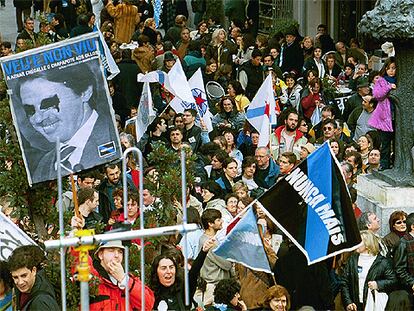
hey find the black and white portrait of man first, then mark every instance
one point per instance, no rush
(66, 103)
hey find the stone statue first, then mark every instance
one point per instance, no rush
(393, 20)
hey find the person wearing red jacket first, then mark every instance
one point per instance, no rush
(107, 267)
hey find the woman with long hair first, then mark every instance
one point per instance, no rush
(277, 299)
(244, 53)
(228, 117)
(220, 49)
(291, 95)
(167, 279)
(398, 228)
(231, 149)
(314, 98)
(366, 270)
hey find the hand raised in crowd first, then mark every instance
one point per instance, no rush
(203, 125)
(393, 86)
(242, 306)
(209, 244)
(77, 222)
(367, 98)
(351, 307)
(116, 270)
(372, 285)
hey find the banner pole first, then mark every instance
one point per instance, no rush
(61, 228)
(75, 196)
(141, 219)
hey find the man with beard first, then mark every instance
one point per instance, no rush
(287, 137)
(111, 182)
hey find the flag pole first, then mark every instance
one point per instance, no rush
(75, 196)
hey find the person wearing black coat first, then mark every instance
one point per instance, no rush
(126, 80)
(291, 53)
(378, 270)
(307, 285)
(167, 279)
(32, 289)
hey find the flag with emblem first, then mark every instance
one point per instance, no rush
(261, 112)
(200, 103)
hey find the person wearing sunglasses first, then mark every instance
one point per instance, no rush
(398, 228)
(329, 127)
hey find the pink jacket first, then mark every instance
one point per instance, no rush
(381, 117)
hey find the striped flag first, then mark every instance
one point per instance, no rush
(261, 112)
(312, 206)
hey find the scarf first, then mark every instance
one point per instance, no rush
(390, 79)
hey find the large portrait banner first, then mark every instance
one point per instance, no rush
(59, 92)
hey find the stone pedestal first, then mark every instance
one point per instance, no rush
(381, 198)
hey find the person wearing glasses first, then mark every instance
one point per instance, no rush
(398, 228)
(329, 128)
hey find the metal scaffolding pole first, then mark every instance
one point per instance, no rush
(61, 227)
(184, 206)
(128, 235)
(84, 291)
(90, 238)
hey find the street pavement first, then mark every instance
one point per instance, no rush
(8, 26)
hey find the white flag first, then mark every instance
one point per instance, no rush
(106, 57)
(261, 111)
(200, 101)
(11, 237)
(175, 81)
(146, 113)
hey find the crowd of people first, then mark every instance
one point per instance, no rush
(231, 169)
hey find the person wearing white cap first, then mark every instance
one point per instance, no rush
(107, 266)
(306, 150)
